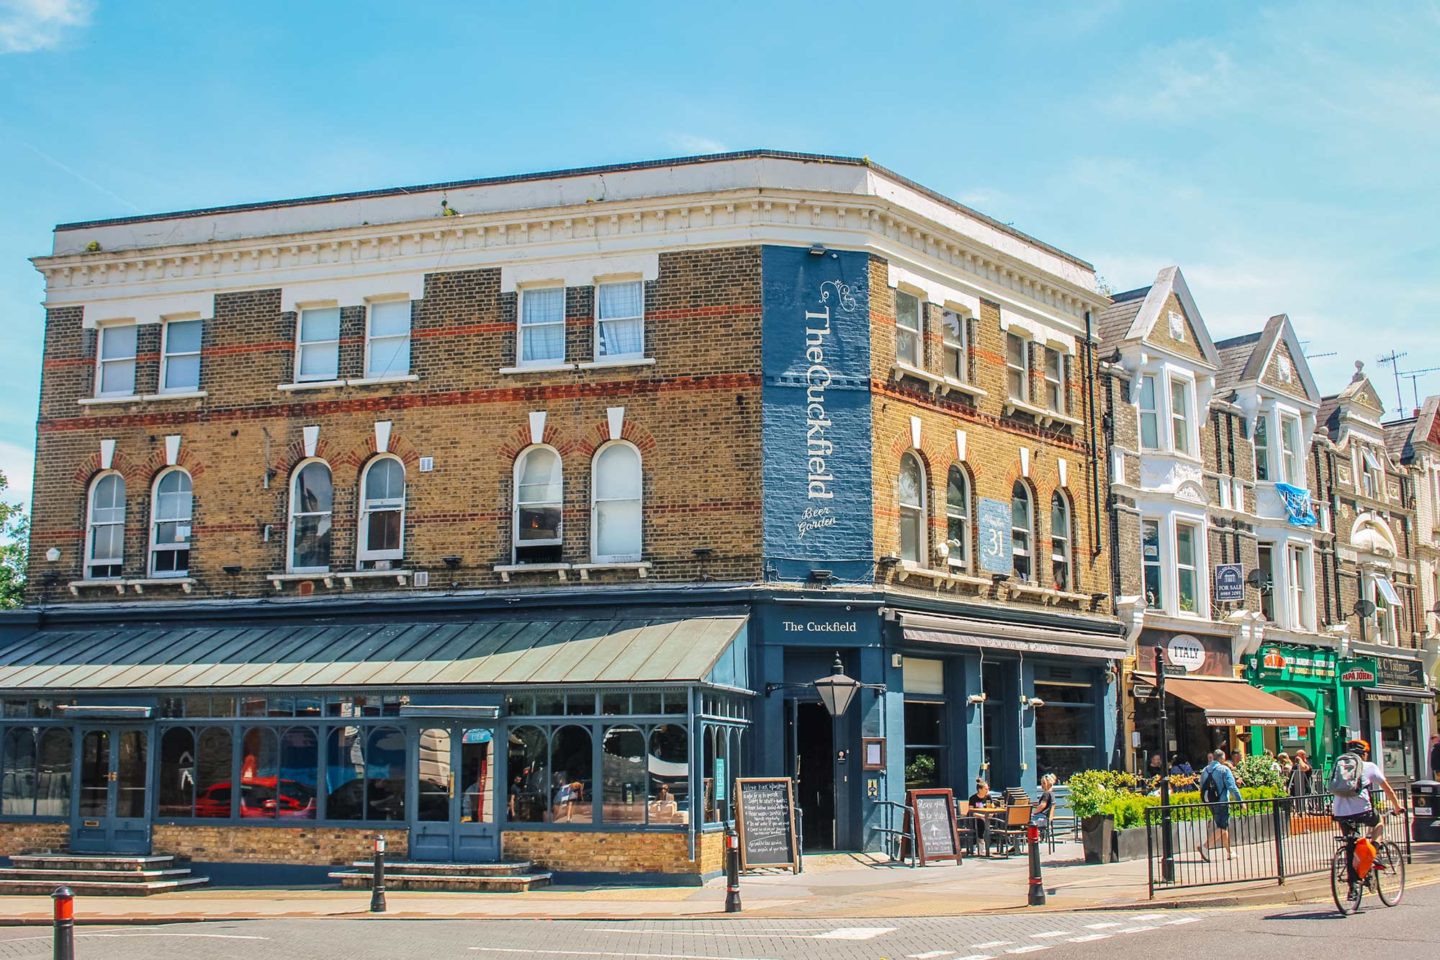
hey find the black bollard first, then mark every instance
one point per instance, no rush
(732, 871)
(377, 883)
(64, 924)
(1037, 885)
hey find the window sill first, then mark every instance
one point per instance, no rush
(348, 577)
(96, 401)
(617, 362)
(1044, 415)
(904, 369)
(506, 569)
(184, 583)
(114, 583)
(642, 569)
(278, 580)
(374, 381)
(951, 385)
(311, 385)
(538, 368)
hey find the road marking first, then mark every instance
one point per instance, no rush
(1140, 929)
(929, 956)
(205, 936)
(594, 953)
(854, 933)
(1100, 926)
(1185, 920)
(1147, 916)
(977, 956)
(992, 943)
(1089, 937)
(1030, 949)
(1050, 933)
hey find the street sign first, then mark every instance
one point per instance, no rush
(1143, 691)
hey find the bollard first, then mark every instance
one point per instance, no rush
(1037, 886)
(64, 924)
(377, 883)
(732, 871)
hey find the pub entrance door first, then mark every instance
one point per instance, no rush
(812, 765)
(455, 795)
(112, 810)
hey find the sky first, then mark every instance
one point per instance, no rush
(1286, 156)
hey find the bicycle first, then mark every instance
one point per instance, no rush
(1386, 877)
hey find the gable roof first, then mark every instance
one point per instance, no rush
(1246, 357)
(1398, 436)
(1427, 423)
(1151, 302)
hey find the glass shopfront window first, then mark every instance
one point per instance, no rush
(1065, 729)
(623, 772)
(527, 798)
(667, 765)
(571, 778)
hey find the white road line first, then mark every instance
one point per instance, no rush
(204, 936)
(1185, 920)
(1050, 933)
(992, 943)
(977, 956)
(1100, 926)
(854, 933)
(1089, 937)
(929, 956)
(1139, 929)
(1030, 949)
(594, 953)
(1147, 916)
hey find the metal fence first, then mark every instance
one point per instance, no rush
(1268, 840)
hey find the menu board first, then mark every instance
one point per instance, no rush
(765, 819)
(932, 814)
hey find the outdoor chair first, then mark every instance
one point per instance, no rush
(965, 827)
(1009, 830)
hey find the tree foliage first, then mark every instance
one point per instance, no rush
(14, 548)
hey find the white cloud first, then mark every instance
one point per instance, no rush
(30, 25)
(690, 143)
(1187, 77)
(17, 463)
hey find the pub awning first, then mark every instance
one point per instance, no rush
(494, 652)
(1231, 703)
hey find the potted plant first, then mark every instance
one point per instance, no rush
(1089, 790)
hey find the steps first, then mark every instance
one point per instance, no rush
(446, 877)
(103, 876)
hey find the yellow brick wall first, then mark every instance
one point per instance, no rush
(310, 846)
(615, 852)
(17, 838)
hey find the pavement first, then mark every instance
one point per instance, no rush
(850, 886)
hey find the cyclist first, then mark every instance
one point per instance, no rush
(1353, 808)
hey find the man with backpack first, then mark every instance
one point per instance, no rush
(1351, 780)
(1217, 786)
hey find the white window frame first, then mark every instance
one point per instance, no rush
(917, 332)
(599, 353)
(102, 361)
(166, 355)
(1372, 475)
(917, 513)
(1387, 630)
(956, 347)
(1262, 451)
(1053, 384)
(363, 552)
(1267, 594)
(1152, 412)
(1022, 370)
(1158, 562)
(1181, 424)
(521, 326)
(515, 503)
(1290, 459)
(596, 502)
(301, 344)
(91, 525)
(156, 547)
(1301, 586)
(372, 341)
(293, 514)
(1061, 551)
(1026, 533)
(959, 556)
(1196, 566)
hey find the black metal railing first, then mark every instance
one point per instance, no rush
(1268, 840)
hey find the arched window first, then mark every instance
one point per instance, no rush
(105, 528)
(539, 497)
(912, 509)
(615, 504)
(1060, 541)
(312, 507)
(957, 517)
(382, 514)
(1022, 531)
(172, 506)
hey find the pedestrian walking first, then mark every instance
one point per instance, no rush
(1217, 786)
(1435, 756)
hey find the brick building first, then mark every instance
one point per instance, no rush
(517, 516)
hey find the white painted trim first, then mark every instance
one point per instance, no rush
(98, 401)
(608, 364)
(1025, 462)
(615, 416)
(351, 291)
(382, 435)
(1037, 330)
(311, 385)
(932, 288)
(311, 438)
(579, 272)
(172, 449)
(107, 454)
(377, 381)
(1064, 472)
(148, 309)
(960, 444)
(537, 426)
(915, 431)
(538, 368)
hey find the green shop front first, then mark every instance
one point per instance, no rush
(1308, 678)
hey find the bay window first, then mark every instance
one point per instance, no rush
(1150, 561)
(1301, 607)
(1262, 447)
(1187, 563)
(1289, 449)
(1149, 414)
(1180, 415)
(1266, 566)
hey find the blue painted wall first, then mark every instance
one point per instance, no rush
(817, 425)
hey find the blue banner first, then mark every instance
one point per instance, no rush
(816, 394)
(1297, 505)
(994, 529)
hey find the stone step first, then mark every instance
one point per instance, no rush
(86, 861)
(113, 876)
(408, 867)
(449, 883)
(95, 888)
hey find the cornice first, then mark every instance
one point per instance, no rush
(441, 244)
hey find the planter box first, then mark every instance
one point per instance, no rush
(1244, 831)
(1130, 845)
(1097, 836)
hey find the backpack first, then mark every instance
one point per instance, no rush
(1209, 788)
(1347, 777)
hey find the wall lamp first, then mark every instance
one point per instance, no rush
(999, 578)
(817, 249)
(976, 699)
(821, 576)
(889, 560)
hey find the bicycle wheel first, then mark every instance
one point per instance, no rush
(1389, 873)
(1346, 894)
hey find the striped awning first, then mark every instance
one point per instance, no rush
(499, 652)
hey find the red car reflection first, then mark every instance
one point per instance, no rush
(260, 797)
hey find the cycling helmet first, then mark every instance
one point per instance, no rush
(1358, 744)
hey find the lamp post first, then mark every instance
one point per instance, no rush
(836, 692)
(1167, 845)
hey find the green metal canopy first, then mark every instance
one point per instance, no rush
(496, 652)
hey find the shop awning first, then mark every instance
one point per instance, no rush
(954, 632)
(1234, 704)
(379, 654)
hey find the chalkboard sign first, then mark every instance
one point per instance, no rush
(932, 814)
(765, 818)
